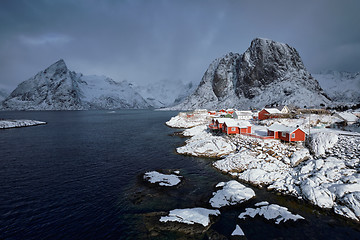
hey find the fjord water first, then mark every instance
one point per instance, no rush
(78, 178)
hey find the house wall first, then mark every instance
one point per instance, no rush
(231, 131)
(299, 136)
(263, 114)
(284, 137)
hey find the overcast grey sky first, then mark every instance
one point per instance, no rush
(150, 40)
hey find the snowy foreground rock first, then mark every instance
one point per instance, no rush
(232, 193)
(19, 123)
(190, 216)
(167, 180)
(270, 212)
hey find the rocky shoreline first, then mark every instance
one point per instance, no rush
(325, 173)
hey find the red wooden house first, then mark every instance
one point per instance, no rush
(288, 134)
(266, 113)
(232, 126)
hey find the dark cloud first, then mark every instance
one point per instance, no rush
(144, 41)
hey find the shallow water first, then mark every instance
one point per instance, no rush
(78, 178)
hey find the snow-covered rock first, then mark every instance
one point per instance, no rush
(350, 206)
(271, 212)
(58, 88)
(268, 72)
(190, 216)
(19, 123)
(238, 231)
(167, 180)
(299, 156)
(232, 193)
(322, 141)
(316, 194)
(189, 119)
(207, 145)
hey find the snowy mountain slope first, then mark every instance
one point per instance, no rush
(341, 87)
(267, 73)
(165, 93)
(58, 88)
(3, 94)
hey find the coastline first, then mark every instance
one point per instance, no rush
(6, 124)
(324, 174)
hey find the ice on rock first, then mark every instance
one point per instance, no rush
(232, 193)
(271, 212)
(161, 179)
(190, 216)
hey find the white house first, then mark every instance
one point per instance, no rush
(243, 115)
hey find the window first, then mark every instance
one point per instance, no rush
(293, 135)
(233, 129)
(283, 134)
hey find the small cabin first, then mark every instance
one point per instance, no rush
(267, 113)
(288, 134)
(232, 126)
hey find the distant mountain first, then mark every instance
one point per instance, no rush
(342, 87)
(267, 73)
(165, 93)
(58, 88)
(3, 94)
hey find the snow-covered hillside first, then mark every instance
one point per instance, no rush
(267, 73)
(58, 88)
(341, 87)
(165, 93)
(3, 94)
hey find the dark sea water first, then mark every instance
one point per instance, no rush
(78, 177)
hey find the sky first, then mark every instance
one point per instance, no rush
(144, 41)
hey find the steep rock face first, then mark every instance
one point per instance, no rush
(267, 73)
(54, 88)
(58, 88)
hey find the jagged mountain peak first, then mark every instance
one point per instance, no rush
(58, 88)
(267, 73)
(57, 67)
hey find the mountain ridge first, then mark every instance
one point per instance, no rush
(267, 73)
(58, 88)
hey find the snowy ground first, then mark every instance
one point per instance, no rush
(326, 175)
(19, 123)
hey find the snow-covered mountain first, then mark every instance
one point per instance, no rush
(165, 93)
(58, 88)
(267, 73)
(3, 94)
(342, 87)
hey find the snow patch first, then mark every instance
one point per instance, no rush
(190, 216)
(232, 193)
